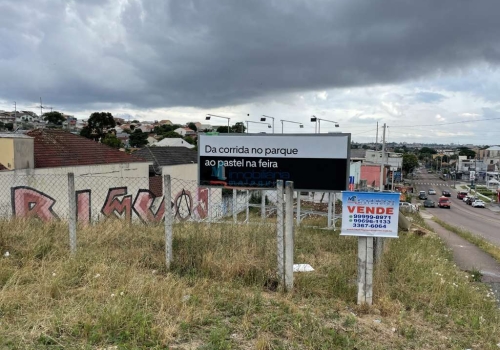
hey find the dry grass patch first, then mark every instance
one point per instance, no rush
(219, 294)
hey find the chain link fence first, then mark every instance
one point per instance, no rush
(247, 215)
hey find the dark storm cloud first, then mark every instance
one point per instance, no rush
(213, 53)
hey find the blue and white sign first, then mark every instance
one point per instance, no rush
(370, 214)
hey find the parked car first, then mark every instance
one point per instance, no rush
(462, 194)
(444, 202)
(446, 194)
(429, 204)
(405, 206)
(431, 191)
(422, 195)
(478, 204)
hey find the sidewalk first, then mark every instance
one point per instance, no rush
(469, 257)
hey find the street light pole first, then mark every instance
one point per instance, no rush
(263, 119)
(289, 121)
(250, 121)
(208, 116)
(318, 123)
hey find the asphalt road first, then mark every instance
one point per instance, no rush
(483, 222)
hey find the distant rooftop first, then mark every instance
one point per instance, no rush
(10, 135)
(58, 148)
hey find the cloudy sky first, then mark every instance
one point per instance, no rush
(427, 68)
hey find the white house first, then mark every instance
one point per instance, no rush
(173, 142)
(185, 132)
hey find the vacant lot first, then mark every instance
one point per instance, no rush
(222, 293)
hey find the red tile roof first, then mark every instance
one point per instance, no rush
(58, 148)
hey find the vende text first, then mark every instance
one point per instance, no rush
(370, 210)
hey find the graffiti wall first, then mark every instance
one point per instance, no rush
(46, 197)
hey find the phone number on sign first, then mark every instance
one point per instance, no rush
(368, 221)
(369, 225)
(372, 217)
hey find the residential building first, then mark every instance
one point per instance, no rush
(185, 132)
(492, 158)
(393, 159)
(180, 163)
(173, 142)
(16, 151)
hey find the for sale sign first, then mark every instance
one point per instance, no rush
(313, 162)
(370, 214)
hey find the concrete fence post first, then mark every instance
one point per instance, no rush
(167, 199)
(279, 231)
(72, 212)
(289, 236)
(365, 270)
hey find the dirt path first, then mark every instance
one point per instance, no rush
(469, 257)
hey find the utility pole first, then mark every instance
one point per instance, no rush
(382, 160)
(376, 139)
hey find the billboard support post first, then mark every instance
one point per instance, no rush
(289, 236)
(329, 210)
(235, 204)
(263, 205)
(298, 207)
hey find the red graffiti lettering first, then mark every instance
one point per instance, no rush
(202, 207)
(143, 207)
(30, 203)
(83, 213)
(118, 207)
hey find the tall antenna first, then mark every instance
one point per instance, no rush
(41, 106)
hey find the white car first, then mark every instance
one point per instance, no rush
(431, 191)
(478, 204)
(405, 206)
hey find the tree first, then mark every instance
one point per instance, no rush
(97, 125)
(135, 121)
(171, 135)
(9, 126)
(238, 128)
(428, 150)
(54, 117)
(222, 129)
(464, 151)
(138, 138)
(410, 162)
(190, 140)
(192, 126)
(112, 141)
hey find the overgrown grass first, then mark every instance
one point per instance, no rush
(479, 241)
(222, 291)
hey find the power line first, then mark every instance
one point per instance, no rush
(450, 123)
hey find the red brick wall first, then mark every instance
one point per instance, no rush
(156, 185)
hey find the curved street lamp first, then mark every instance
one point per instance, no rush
(250, 121)
(289, 121)
(263, 119)
(318, 123)
(218, 116)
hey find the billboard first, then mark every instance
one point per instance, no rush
(370, 214)
(313, 162)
